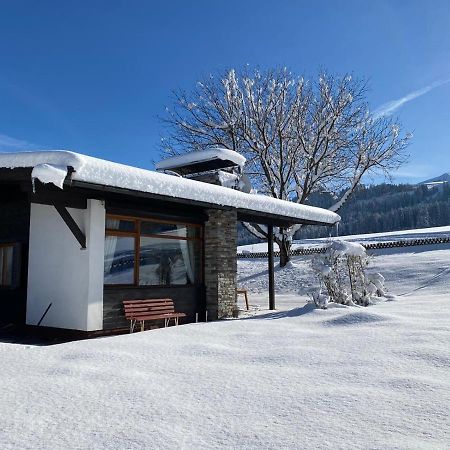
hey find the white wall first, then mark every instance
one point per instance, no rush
(61, 273)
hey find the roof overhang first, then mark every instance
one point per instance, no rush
(243, 215)
(104, 176)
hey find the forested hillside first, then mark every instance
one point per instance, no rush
(384, 207)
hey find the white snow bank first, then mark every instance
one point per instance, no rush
(201, 156)
(294, 378)
(106, 173)
(342, 378)
(48, 173)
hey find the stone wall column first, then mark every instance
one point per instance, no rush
(220, 263)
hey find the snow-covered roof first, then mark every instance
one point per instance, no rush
(47, 168)
(228, 157)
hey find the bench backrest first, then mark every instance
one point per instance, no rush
(137, 309)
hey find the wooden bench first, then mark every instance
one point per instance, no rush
(151, 309)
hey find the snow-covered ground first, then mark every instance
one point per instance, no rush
(391, 236)
(402, 268)
(346, 377)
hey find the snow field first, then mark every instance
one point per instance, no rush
(392, 236)
(298, 377)
(405, 269)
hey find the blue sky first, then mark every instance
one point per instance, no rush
(93, 76)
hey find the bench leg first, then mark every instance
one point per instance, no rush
(142, 326)
(246, 300)
(132, 325)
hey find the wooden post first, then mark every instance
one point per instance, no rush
(271, 268)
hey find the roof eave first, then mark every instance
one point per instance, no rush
(244, 215)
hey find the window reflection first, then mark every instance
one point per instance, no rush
(120, 224)
(170, 229)
(170, 256)
(168, 261)
(119, 260)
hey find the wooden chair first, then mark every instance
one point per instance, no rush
(243, 291)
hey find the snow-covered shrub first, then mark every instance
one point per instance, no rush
(342, 274)
(377, 284)
(332, 276)
(320, 299)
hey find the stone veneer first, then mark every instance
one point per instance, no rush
(220, 263)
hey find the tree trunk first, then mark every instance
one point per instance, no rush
(285, 250)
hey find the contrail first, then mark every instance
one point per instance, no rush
(390, 107)
(8, 143)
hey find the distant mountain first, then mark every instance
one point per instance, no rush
(443, 177)
(379, 208)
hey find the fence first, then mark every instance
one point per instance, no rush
(371, 246)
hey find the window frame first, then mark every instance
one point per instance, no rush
(136, 234)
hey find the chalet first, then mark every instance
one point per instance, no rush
(78, 235)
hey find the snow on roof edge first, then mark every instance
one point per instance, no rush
(102, 172)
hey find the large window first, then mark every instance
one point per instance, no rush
(6, 265)
(145, 252)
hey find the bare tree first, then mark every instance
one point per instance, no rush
(298, 136)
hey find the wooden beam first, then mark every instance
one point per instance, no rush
(72, 225)
(271, 268)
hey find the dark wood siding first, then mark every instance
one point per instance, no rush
(187, 299)
(15, 229)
